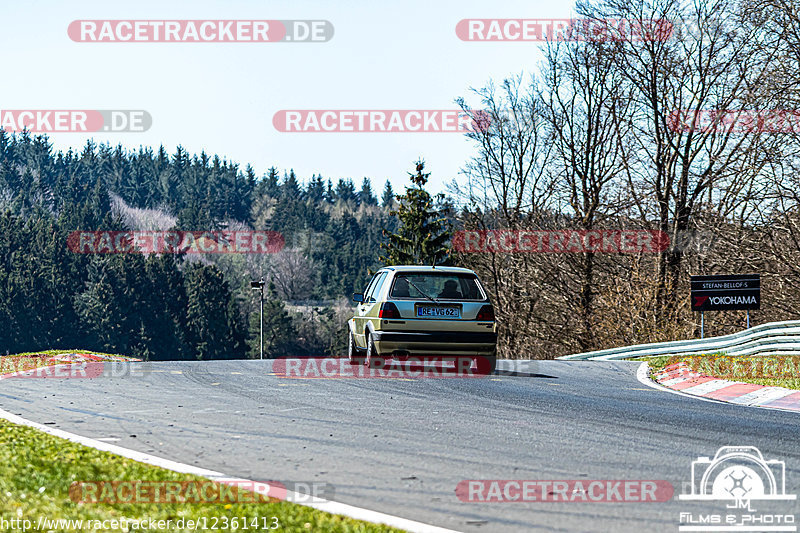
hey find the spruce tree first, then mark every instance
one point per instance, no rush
(365, 195)
(387, 199)
(316, 189)
(423, 235)
(330, 194)
(271, 185)
(290, 189)
(346, 191)
(210, 325)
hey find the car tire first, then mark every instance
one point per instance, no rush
(486, 364)
(371, 360)
(352, 351)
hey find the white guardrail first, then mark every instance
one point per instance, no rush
(774, 338)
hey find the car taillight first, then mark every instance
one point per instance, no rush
(486, 313)
(389, 310)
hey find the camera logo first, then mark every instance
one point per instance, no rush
(738, 473)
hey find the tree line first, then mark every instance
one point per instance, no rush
(178, 306)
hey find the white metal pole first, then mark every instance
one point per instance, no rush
(702, 323)
(261, 323)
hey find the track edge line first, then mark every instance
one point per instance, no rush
(328, 506)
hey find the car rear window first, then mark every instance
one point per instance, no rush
(438, 286)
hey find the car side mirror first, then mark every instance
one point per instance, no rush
(358, 297)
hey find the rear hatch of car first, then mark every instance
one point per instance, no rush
(446, 301)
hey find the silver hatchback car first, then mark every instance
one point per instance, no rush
(424, 311)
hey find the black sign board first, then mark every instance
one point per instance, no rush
(726, 293)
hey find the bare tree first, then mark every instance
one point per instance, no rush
(665, 131)
(507, 186)
(712, 63)
(508, 174)
(292, 273)
(586, 104)
(137, 219)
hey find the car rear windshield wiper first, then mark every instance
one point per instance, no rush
(434, 300)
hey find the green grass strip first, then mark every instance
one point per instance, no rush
(37, 469)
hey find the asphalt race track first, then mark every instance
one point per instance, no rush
(401, 446)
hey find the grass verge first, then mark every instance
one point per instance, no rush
(771, 370)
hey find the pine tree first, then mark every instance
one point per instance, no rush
(330, 195)
(107, 306)
(271, 182)
(291, 210)
(210, 333)
(423, 235)
(166, 301)
(290, 189)
(387, 198)
(346, 191)
(365, 195)
(316, 189)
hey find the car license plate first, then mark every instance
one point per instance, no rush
(432, 311)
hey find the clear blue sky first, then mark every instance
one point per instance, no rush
(221, 97)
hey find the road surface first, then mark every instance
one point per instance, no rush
(402, 446)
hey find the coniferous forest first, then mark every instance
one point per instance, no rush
(176, 306)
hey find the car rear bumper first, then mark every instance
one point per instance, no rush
(435, 343)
